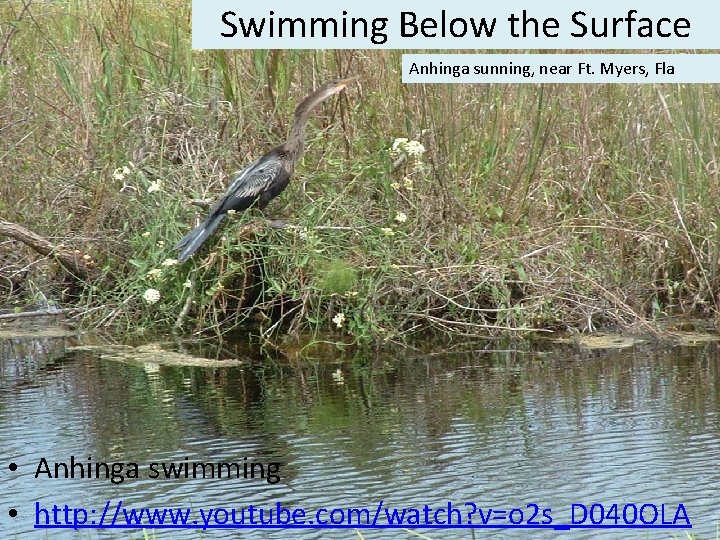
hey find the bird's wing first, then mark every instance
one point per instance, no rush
(250, 183)
(253, 183)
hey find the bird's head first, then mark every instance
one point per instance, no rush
(338, 85)
(325, 91)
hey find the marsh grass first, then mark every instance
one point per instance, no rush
(534, 206)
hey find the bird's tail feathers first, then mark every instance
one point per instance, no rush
(192, 241)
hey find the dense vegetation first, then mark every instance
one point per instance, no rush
(531, 207)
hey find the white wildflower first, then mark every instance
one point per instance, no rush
(414, 149)
(161, 243)
(151, 296)
(404, 146)
(231, 212)
(121, 172)
(188, 284)
(339, 319)
(408, 184)
(169, 262)
(351, 294)
(401, 217)
(387, 231)
(155, 185)
(399, 145)
(395, 186)
(154, 274)
(146, 234)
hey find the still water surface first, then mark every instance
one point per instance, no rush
(547, 425)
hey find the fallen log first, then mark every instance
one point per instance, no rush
(70, 261)
(37, 313)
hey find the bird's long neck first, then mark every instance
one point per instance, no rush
(296, 137)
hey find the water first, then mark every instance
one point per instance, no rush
(548, 426)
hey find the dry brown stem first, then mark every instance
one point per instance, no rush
(70, 261)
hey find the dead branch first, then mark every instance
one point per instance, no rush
(180, 321)
(201, 203)
(70, 261)
(449, 324)
(38, 313)
(14, 28)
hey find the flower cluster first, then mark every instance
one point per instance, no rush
(121, 172)
(154, 274)
(403, 145)
(407, 184)
(155, 186)
(339, 319)
(151, 296)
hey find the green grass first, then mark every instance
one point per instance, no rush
(533, 206)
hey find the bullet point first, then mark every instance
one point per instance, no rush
(12, 512)
(12, 466)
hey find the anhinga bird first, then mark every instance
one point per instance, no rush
(264, 179)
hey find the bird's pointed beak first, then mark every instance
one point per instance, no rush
(342, 83)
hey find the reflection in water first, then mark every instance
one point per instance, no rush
(500, 430)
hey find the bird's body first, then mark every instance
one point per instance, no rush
(264, 179)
